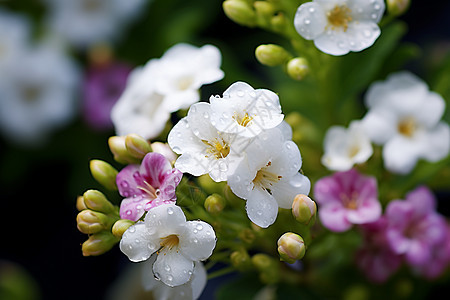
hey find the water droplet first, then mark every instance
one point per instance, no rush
(374, 16)
(130, 247)
(307, 21)
(193, 109)
(367, 33)
(124, 184)
(128, 212)
(208, 232)
(237, 178)
(132, 229)
(311, 10)
(341, 44)
(252, 94)
(195, 241)
(190, 272)
(176, 149)
(169, 277)
(259, 213)
(205, 115)
(199, 227)
(139, 207)
(187, 125)
(195, 231)
(137, 241)
(288, 146)
(196, 132)
(151, 246)
(170, 210)
(223, 167)
(179, 135)
(240, 93)
(376, 6)
(167, 268)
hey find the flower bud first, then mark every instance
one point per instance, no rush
(247, 235)
(90, 222)
(267, 266)
(271, 55)
(214, 203)
(240, 12)
(96, 201)
(80, 203)
(241, 260)
(137, 146)
(297, 68)
(164, 149)
(279, 22)
(120, 151)
(304, 209)
(99, 243)
(291, 247)
(397, 7)
(104, 173)
(264, 8)
(121, 226)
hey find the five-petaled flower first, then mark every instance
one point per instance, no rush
(176, 242)
(340, 26)
(146, 186)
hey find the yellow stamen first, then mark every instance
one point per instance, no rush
(339, 17)
(149, 190)
(219, 149)
(243, 121)
(407, 127)
(265, 179)
(350, 202)
(169, 241)
(353, 151)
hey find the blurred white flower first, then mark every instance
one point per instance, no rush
(404, 116)
(14, 36)
(37, 93)
(245, 111)
(340, 26)
(85, 22)
(164, 86)
(177, 243)
(268, 177)
(204, 149)
(345, 147)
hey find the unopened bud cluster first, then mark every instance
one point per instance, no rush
(129, 149)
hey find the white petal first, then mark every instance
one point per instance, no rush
(136, 244)
(198, 281)
(400, 154)
(262, 208)
(361, 35)
(200, 122)
(172, 268)
(366, 10)
(431, 110)
(334, 42)
(165, 220)
(286, 130)
(198, 241)
(181, 138)
(437, 145)
(287, 160)
(285, 190)
(380, 126)
(310, 20)
(193, 163)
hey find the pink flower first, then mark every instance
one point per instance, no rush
(103, 86)
(146, 186)
(375, 258)
(414, 226)
(347, 198)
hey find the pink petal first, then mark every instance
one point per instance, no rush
(133, 208)
(128, 180)
(333, 217)
(153, 168)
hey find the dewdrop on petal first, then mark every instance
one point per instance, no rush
(291, 247)
(304, 209)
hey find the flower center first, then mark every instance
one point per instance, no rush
(242, 121)
(31, 93)
(91, 5)
(149, 190)
(353, 151)
(169, 241)
(265, 179)
(217, 148)
(184, 82)
(350, 202)
(407, 127)
(339, 17)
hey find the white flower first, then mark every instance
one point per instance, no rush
(346, 147)
(268, 177)
(204, 149)
(14, 37)
(85, 22)
(404, 116)
(177, 243)
(245, 111)
(37, 93)
(164, 86)
(188, 291)
(340, 26)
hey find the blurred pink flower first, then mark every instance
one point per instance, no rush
(146, 186)
(103, 85)
(375, 258)
(347, 198)
(414, 226)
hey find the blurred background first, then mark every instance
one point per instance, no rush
(60, 76)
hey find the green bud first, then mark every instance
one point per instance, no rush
(137, 146)
(104, 173)
(240, 12)
(297, 68)
(241, 260)
(264, 8)
(209, 185)
(279, 22)
(247, 235)
(90, 222)
(304, 209)
(267, 266)
(214, 203)
(397, 7)
(80, 203)
(291, 247)
(96, 201)
(356, 292)
(121, 226)
(120, 151)
(272, 55)
(99, 243)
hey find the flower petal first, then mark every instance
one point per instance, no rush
(400, 154)
(198, 241)
(437, 145)
(262, 208)
(310, 20)
(361, 35)
(127, 180)
(181, 138)
(332, 42)
(172, 268)
(367, 212)
(135, 243)
(133, 208)
(367, 10)
(285, 190)
(153, 168)
(334, 217)
(165, 220)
